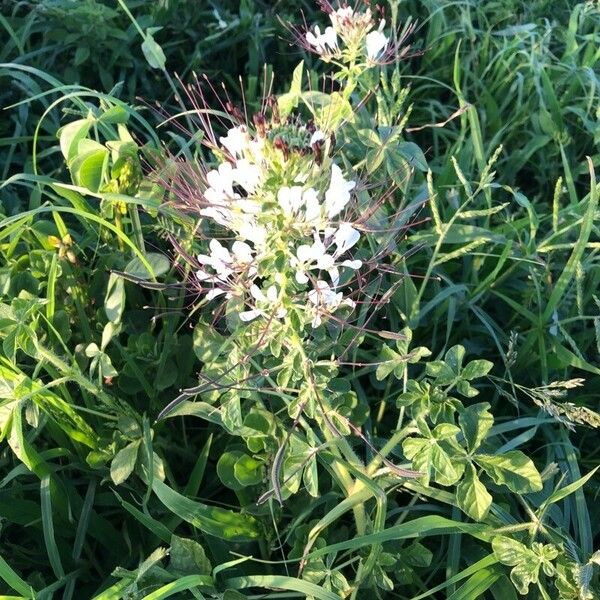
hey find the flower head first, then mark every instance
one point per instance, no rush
(324, 43)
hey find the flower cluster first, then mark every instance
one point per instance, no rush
(352, 35)
(285, 245)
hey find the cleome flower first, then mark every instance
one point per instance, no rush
(355, 37)
(265, 304)
(279, 209)
(375, 43)
(325, 300)
(324, 43)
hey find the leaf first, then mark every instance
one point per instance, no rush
(454, 358)
(209, 344)
(213, 520)
(526, 563)
(114, 301)
(159, 262)
(289, 101)
(88, 168)
(512, 469)
(248, 470)
(70, 135)
(226, 469)
(123, 463)
(567, 490)
(475, 422)
(188, 557)
(471, 496)
(446, 470)
(153, 52)
(476, 368)
(413, 154)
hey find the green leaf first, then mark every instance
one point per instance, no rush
(70, 135)
(159, 262)
(565, 491)
(471, 496)
(512, 469)
(153, 52)
(442, 372)
(209, 344)
(413, 154)
(88, 168)
(526, 563)
(288, 102)
(188, 557)
(454, 358)
(114, 301)
(123, 463)
(213, 520)
(226, 470)
(475, 422)
(476, 368)
(446, 470)
(248, 470)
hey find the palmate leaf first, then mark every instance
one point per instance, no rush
(526, 562)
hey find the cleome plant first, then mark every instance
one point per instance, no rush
(219, 375)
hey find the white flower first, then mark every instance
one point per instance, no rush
(317, 136)
(340, 15)
(311, 257)
(375, 41)
(326, 300)
(325, 42)
(312, 207)
(247, 175)
(345, 237)
(221, 182)
(290, 199)
(251, 231)
(236, 141)
(265, 304)
(338, 194)
(224, 262)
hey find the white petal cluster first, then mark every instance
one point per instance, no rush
(376, 42)
(324, 43)
(304, 223)
(355, 29)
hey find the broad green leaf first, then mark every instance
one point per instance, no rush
(471, 496)
(114, 301)
(413, 154)
(123, 463)
(226, 469)
(512, 469)
(526, 562)
(88, 168)
(213, 520)
(208, 343)
(475, 422)
(188, 557)
(418, 451)
(476, 368)
(70, 136)
(447, 471)
(289, 101)
(159, 262)
(152, 51)
(248, 470)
